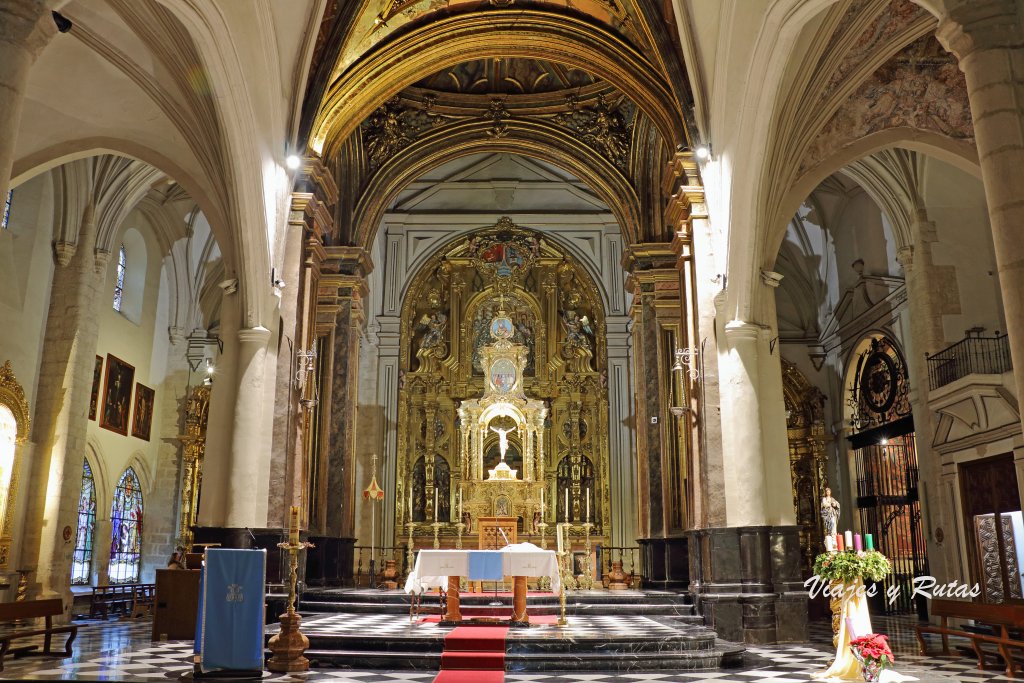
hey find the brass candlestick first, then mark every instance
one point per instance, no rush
(437, 527)
(410, 556)
(564, 554)
(289, 643)
(460, 527)
(588, 571)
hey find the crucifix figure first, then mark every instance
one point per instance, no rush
(502, 439)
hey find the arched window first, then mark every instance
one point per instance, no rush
(122, 265)
(81, 563)
(7, 209)
(126, 529)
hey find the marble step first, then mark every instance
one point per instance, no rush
(687, 611)
(377, 598)
(359, 659)
(692, 660)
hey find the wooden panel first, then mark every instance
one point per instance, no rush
(490, 536)
(177, 604)
(30, 609)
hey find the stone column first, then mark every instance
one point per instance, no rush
(25, 28)
(988, 39)
(342, 291)
(61, 411)
(309, 220)
(622, 436)
(243, 504)
(101, 547)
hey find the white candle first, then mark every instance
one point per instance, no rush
(542, 500)
(435, 505)
(588, 505)
(849, 539)
(410, 503)
(460, 504)
(567, 505)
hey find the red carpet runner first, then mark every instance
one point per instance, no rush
(473, 654)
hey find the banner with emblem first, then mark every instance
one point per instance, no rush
(232, 610)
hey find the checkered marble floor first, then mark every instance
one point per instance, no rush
(119, 651)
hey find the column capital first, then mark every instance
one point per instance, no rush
(742, 330)
(977, 25)
(905, 255)
(26, 23)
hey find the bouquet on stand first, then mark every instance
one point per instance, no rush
(873, 653)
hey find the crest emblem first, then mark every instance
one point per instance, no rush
(234, 593)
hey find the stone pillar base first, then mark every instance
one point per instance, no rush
(665, 562)
(746, 583)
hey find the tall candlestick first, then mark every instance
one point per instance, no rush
(293, 526)
(410, 503)
(849, 540)
(435, 505)
(460, 503)
(567, 505)
(542, 500)
(588, 505)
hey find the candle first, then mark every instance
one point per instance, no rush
(435, 505)
(839, 542)
(410, 503)
(870, 540)
(857, 543)
(542, 499)
(849, 540)
(567, 505)
(460, 504)
(293, 527)
(588, 505)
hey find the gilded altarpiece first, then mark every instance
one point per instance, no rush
(503, 391)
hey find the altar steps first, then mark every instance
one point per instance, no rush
(603, 603)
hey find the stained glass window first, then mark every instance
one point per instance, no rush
(81, 563)
(126, 529)
(122, 263)
(7, 209)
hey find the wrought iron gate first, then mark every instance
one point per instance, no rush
(890, 509)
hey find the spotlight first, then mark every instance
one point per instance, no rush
(702, 152)
(884, 442)
(63, 23)
(209, 367)
(293, 161)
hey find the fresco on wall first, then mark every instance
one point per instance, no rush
(117, 395)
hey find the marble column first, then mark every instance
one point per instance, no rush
(61, 410)
(988, 40)
(342, 291)
(25, 28)
(244, 506)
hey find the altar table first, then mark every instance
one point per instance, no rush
(438, 568)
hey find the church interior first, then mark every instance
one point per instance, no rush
(512, 340)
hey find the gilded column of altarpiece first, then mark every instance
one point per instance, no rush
(538, 384)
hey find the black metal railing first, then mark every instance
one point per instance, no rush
(972, 355)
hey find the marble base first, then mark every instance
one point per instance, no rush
(747, 585)
(665, 562)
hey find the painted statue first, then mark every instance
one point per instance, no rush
(829, 518)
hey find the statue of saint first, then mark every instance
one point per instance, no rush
(502, 439)
(830, 518)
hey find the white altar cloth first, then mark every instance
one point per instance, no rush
(433, 567)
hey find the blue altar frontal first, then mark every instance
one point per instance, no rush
(231, 610)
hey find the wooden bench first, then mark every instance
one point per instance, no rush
(1000, 618)
(128, 599)
(34, 609)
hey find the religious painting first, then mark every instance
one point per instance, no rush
(502, 506)
(501, 328)
(94, 396)
(117, 395)
(142, 418)
(503, 375)
(520, 319)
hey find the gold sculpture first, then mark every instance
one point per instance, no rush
(12, 398)
(502, 398)
(193, 442)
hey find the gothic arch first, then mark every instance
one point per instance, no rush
(397, 64)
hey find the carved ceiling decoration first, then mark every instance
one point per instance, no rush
(506, 77)
(603, 121)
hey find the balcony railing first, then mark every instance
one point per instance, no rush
(972, 355)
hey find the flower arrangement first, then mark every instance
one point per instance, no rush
(873, 653)
(869, 565)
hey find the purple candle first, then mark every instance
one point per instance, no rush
(856, 543)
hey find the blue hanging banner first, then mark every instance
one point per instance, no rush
(231, 614)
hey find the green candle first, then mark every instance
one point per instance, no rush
(870, 541)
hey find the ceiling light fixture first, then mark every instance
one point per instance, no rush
(293, 161)
(702, 152)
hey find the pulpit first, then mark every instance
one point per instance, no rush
(497, 532)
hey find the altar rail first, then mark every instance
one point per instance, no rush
(363, 578)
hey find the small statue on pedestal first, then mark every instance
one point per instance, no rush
(830, 519)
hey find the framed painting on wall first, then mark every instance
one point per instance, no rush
(94, 397)
(117, 395)
(142, 416)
